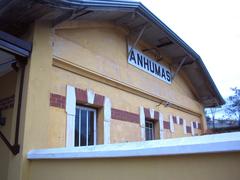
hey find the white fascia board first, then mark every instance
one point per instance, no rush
(227, 142)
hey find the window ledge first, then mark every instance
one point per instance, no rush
(227, 142)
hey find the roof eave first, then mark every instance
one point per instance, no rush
(145, 12)
(15, 45)
(129, 5)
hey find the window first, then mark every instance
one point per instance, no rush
(85, 126)
(149, 130)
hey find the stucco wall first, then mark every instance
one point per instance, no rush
(102, 48)
(120, 131)
(96, 48)
(220, 166)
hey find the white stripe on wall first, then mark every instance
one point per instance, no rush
(171, 124)
(161, 126)
(107, 119)
(192, 128)
(70, 110)
(196, 124)
(90, 96)
(184, 126)
(178, 120)
(142, 122)
(151, 113)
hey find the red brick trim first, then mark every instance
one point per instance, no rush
(57, 100)
(7, 102)
(98, 100)
(125, 116)
(189, 130)
(156, 115)
(81, 95)
(166, 125)
(147, 113)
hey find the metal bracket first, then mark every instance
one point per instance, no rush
(138, 38)
(179, 67)
(15, 148)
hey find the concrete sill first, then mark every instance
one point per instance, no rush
(227, 142)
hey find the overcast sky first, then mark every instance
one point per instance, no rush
(212, 29)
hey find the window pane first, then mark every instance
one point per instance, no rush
(83, 127)
(76, 137)
(147, 124)
(151, 134)
(149, 130)
(90, 128)
(146, 133)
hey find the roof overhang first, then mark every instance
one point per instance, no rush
(132, 15)
(12, 49)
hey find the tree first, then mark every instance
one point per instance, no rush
(232, 107)
(210, 114)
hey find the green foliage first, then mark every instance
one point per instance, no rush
(232, 107)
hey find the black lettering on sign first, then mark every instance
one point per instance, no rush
(150, 66)
(163, 74)
(168, 76)
(139, 60)
(146, 63)
(157, 70)
(132, 57)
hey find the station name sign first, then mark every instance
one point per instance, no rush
(146, 64)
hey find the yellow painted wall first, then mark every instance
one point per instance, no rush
(183, 167)
(57, 128)
(97, 49)
(101, 48)
(8, 86)
(120, 131)
(35, 112)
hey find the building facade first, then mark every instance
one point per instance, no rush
(110, 72)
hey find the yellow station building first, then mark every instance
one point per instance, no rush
(85, 73)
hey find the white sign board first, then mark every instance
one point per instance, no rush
(148, 65)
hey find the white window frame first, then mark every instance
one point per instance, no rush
(94, 127)
(149, 122)
(71, 110)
